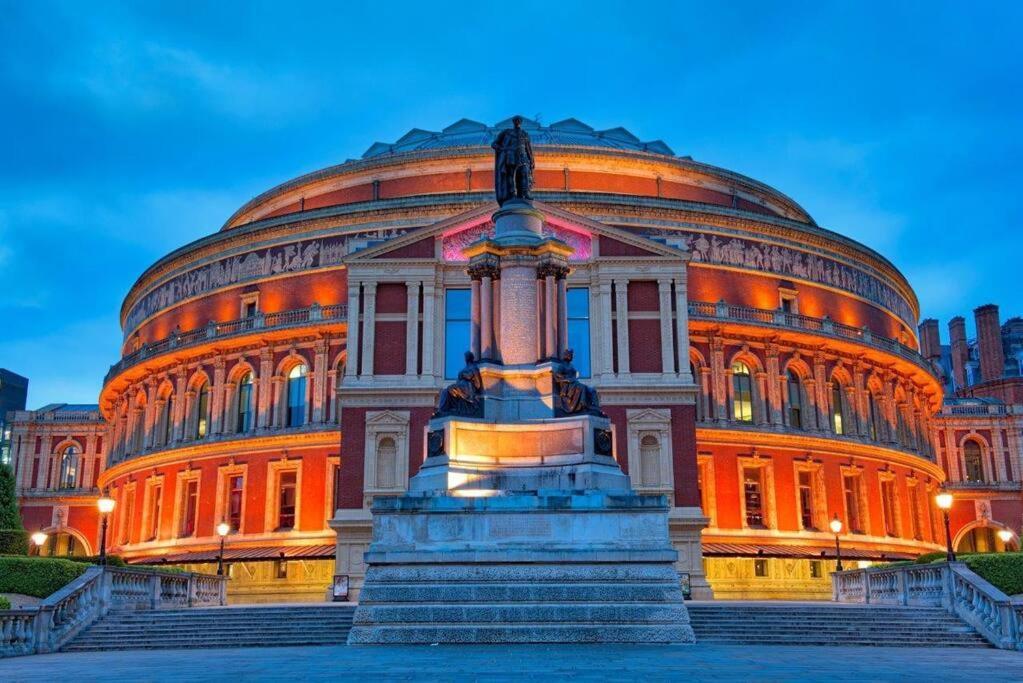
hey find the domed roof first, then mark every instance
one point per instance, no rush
(467, 133)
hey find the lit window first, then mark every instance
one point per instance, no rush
(579, 328)
(235, 492)
(837, 409)
(286, 500)
(457, 323)
(742, 393)
(296, 396)
(795, 400)
(69, 468)
(753, 491)
(244, 416)
(155, 507)
(202, 411)
(974, 466)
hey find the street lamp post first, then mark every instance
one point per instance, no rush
(39, 539)
(106, 506)
(223, 529)
(944, 501)
(836, 528)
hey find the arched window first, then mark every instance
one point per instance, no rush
(837, 409)
(243, 422)
(873, 417)
(202, 411)
(795, 392)
(387, 463)
(649, 461)
(296, 396)
(972, 461)
(167, 420)
(742, 393)
(69, 468)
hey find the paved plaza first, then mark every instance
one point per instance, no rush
(523, 662)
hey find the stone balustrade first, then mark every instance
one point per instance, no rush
(61, 616)
(947, 584)
(260, 322)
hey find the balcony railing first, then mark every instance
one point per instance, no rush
(982, 409)
(259, 322)
(702, 310)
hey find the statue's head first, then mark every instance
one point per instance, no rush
(517, 121)
(469, 357)
(568, 355)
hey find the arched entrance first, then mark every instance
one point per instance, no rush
(64, 543)
(984, 538)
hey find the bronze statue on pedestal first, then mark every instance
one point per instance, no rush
(513, 163)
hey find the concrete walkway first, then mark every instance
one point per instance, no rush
(523, 662)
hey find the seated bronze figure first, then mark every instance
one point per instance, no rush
(572, 396)
(464, 396)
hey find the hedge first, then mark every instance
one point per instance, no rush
(1002, 570)
(4, 603)
(37, 576)
(13, 542)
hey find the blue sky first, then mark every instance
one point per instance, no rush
(129, 130)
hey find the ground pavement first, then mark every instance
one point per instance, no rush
(523, 662)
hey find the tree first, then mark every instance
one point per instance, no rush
(13, 537)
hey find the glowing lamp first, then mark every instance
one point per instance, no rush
(836, 525)
(1005, 535)
(223, 529)
(105, 505)
(39, 538)
(944, 500)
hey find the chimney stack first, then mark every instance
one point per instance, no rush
(930, 341)
(989, 342)
(960, 353)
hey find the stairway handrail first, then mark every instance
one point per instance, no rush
(952, 585)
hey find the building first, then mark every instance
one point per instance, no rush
(979, 431)
(762, 371)
(59, 455)
(13, 393)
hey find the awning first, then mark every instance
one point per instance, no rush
(800, 551)
(289, 552)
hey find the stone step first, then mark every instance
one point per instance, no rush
(520, 633)
(513, 613)
(544, 573)
(167, 644)
(526, 592)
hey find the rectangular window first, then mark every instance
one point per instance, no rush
(806, 500)
(888, 506)
(851, 486)
(760, 568)
(914, 512)
(155, 506)
(815, 569)
(579, 328)
(235, 493)
(189, 507)
(753, 489)
(457, 322)
(127, 515)
(286, 497)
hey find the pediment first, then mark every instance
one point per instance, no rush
(577, 231)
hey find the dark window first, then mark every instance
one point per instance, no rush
(190, 503)
(914, 512)
(753, 488)
(795, 401)
(806, 500)
(874, 417)
(888, 506)
(457, 321)
(973, 462)
(851, 486)
(250, 309)
(235, 493)
(760, 568)
(202, 411)
(244, 417)
(296, 396)
(69, 468)
(815, 569)
(286, 501)
(579, 328)
(168, 419)
(155, 507)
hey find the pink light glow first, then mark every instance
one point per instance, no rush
(454, 242)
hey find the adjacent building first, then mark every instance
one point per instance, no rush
(13, 393)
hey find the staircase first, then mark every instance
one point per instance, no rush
(210, 627)
(821, 623)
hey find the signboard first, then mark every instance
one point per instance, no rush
(339, 592)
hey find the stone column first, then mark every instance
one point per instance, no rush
(760, 406)
(823, 400)
(550, 310)
(412, 329)
(228, 425)
(606, 342)
(149, 438)
(519, 323)
(264, 399)
(562, 314)
(718, 379)
(369, 298)
(475, 314)
(179, 407)
(495, 316)
(682, 329)
(352, 339)
(319, 381)
(667, 338)
(775, 393)
(705, 381)
(429, 297)
(217, 396)
(486, 318)
(622, 318)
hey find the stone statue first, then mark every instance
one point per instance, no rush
(573, 397)
(513, 163)
(463, 397)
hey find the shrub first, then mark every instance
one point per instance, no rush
(4, 603)
(1002, 570)
(927, 558)
(37, 576)
(112, 560)
(13, 542)
(13, 537)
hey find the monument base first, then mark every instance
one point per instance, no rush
(550, 567)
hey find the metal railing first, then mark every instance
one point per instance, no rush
(100, 590)
(702, 310)
(944, 584)
(259, 322)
